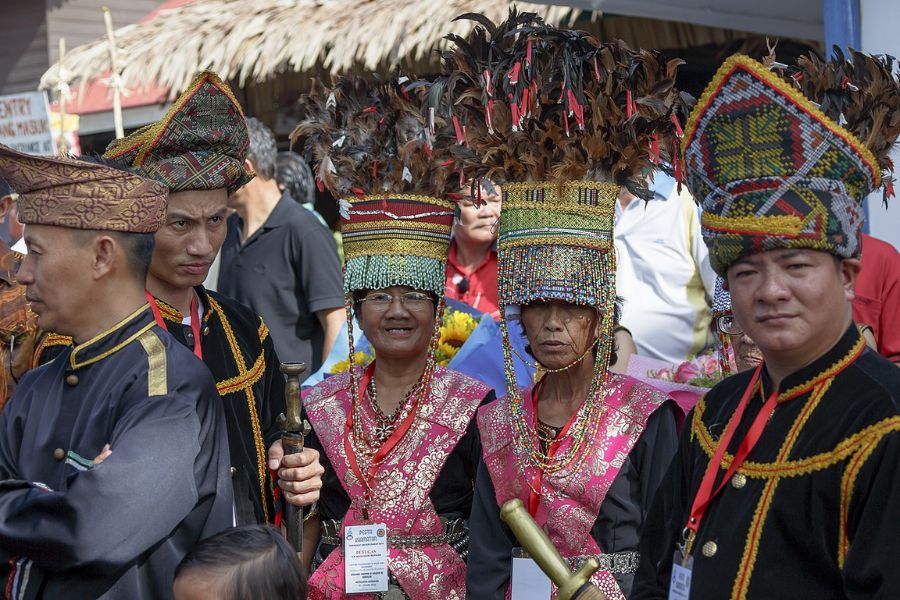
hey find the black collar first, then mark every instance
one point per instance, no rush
(841, 354)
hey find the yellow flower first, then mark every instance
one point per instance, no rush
(361, 359)
(445, 353)
(457, 328)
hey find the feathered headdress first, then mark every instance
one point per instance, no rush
(861, 94)
(372, 149)
(782, 157)
(534, 103)
(561, 121)
(372, 139)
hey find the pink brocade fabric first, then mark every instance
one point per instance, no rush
(570, 498)
(400, 492)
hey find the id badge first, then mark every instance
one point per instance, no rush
(680, 584)
(528, 581)
(365, 558)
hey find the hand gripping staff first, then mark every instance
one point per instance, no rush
(292, 439)
(571, 586)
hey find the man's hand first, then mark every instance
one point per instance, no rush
(104, 454)
(299, 475)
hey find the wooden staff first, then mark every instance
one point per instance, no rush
(115, 81)
(62, 145)
(292, 441)
(571, 586)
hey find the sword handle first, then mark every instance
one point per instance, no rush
(292, 442)
(571, 586)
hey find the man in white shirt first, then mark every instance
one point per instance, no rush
(663, 272)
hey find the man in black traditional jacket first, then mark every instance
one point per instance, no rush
(786, 481)
(197, 151)
(113, 460)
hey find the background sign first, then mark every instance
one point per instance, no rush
(25, 123)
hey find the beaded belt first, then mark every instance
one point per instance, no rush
(619, 563)
(455, 531)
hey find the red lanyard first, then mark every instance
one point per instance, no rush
(195, 321)
(385, 448)
(534, 493)
(706, 494)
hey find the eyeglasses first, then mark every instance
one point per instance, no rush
(727, 325)
(412, 301)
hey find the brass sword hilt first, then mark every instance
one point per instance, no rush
(571, 586)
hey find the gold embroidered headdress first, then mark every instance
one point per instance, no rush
(66, 192)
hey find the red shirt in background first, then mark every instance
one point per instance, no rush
(877, 302)
(476, 287)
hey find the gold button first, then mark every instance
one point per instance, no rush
(72, 379)
(738, 481)
(233, 471)
(709, 549)
(59, 454)
(206, 330)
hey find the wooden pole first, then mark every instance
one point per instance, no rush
(115, 80)
(62, 147)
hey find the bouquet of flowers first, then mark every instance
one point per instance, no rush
(686, 383)
(701, 371)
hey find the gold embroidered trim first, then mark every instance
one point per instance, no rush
(263, 331)
(802, 388)
(751, 546)
(785, 225)
(72, 357)
(438, 202)
(170, 313)
(803, 466)
(781, 86)
(411, 225)
(848, 481)
(157, 379)
(251, 402)
(244, 380)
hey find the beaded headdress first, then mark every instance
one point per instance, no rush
(562, 122)
(372, 148)
(783, 158)
(200, 144)
(66, 192)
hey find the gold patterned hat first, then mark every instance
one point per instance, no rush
(200, 143)
(66, 192)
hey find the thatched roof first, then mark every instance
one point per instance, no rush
(253, 40)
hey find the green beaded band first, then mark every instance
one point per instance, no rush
(378, 272)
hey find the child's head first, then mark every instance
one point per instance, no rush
(244, 563)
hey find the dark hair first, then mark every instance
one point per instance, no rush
(262, 150)
(138, 247)
(617, 315)
(5, 189)
(294, 174)
(256, 560)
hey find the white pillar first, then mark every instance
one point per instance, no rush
(879, 25)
